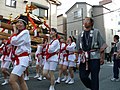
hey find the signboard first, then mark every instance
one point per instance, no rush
(103, 2)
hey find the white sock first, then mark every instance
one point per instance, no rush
(6, 80)
(37, 74)
(58, 78)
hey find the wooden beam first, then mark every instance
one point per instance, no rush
(36, 39)
(4, 35)
(6, 26)
(33, 46)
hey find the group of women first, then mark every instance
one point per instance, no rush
(53, 51)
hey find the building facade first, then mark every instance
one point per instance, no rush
(75, 16)
(111, 13)
(45, 8)
(61, 25)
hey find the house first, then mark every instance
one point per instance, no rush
(61, 25)
(111, 20)
(10, 9)
(45, 8)
(75, 16)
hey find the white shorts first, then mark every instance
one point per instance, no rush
(5, 64)
(38, 62)
(61, 62)
(18, 70)
(43, 62)
(69, 63)
(50, 65)
(79, 59)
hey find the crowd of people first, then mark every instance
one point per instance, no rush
(85, 54)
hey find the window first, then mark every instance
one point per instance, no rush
(78, 13)
(118, 30)
(112, 31)
(75, 32)
(41, 11)
(71, 33)
(11, 3)
(75, 14)
(119, 23)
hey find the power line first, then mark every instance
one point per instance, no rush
(93, 16)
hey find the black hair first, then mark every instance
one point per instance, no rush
(73, 39)
(45, 39)
(91, 20)
(116, 37)
(55, 30)
(24, 24)
(61, 38)
(112, 43)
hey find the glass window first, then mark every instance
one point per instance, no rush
(41, 12)
(75, 32)
(71, 33)
(77, 14)
(119, 23)
(112, 31)
(11, 3)
(35, 12)
(118, 30)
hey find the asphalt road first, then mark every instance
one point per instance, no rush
(105, 83)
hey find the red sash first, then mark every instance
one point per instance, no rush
(43, 53)
(6, 51)
(61, 50)
(48, 55)
(21, 55)
(15, 57)
(67, 52)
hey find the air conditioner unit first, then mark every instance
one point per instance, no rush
(25, 1)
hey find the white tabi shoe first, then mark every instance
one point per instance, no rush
(67, 80)
(116, 80)
(40, 78)
(64, 79)
(4, 83)
(26, 78)
(71, 81)
(58, 81)
(51, 87)
(44, 78)
(36, 76)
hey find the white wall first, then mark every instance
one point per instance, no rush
(20, 9)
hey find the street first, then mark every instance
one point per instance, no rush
(105, 83)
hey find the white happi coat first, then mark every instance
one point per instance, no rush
(23, 43)
(71, 49)
(44, 52)
(39, 50)
(54, 47)
(7, 57)
(61, 54)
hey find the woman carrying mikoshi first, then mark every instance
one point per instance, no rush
(51, 57)
(20, 53)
